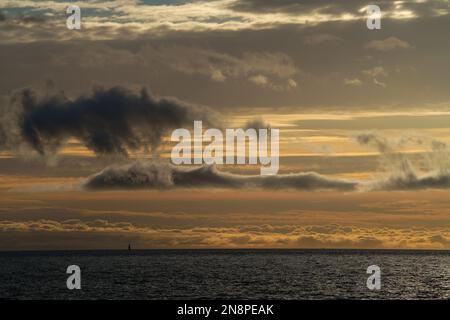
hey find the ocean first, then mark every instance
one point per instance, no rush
(226, 274)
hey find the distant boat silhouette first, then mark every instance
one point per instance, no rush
(129, 247)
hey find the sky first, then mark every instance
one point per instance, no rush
(86, 116)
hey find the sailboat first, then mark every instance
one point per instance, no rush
(129, 247)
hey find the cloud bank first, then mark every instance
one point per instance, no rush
(141, 175)
(47, 233)
(400, 173)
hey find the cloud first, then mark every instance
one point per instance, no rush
(407, 179)
(264, 68)
(122, 19)
(401, 172)
(379, 83)
(355, 82)
(101, 233)
(373, 139)
(291, 83)
(388, 44)
(108, 121)
(440, 239)
(256, 123)
(259, 80)
(220, 62)
(375, 73)
(402, 121)
(343, 9)
(261, 68)
(322, 242)
(160, 176)
(398, 171)
(263, 81)
(125, 19)
(317, 39)
(292, 7)
(22, 18)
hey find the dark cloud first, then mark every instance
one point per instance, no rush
(257, 123)
(154, 175)
(409, 180)
(22, 19)
(373, 139)
(108, 121)
(31, 19)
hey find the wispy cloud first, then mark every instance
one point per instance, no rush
(388, 44)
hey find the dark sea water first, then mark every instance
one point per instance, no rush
(226, 274)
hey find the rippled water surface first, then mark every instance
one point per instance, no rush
(225, 274)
